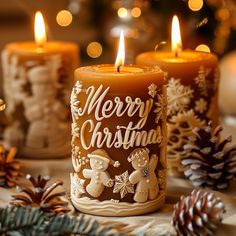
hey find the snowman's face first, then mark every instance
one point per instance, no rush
(97, 164)
(140, 162)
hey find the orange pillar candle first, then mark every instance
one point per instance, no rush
(37, 83)
(191, 92)
(119, 139)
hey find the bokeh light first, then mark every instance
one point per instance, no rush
(203, 48)
(94, 49)
(195, 5)
(122, 12)
(74, 7)
(223, 14)
(64, 18)
(136, 12)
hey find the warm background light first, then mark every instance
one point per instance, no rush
(94, 49)
(203, 48)
(195, 5)
(136, 12)
(176, 42)
(39, 29)
(64, 18)
(223, 14)
(122, 12)
(120, 59)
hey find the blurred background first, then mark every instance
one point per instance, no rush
(95, 25)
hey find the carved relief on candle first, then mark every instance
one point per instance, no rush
(192, 91)
(37, 83)
(119, 137)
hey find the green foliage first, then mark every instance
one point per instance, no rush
(25, 221)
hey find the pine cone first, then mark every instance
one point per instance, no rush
(9, 167)
(40, 196)
(197, 214)
(209, 163)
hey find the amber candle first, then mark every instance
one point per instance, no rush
(119, 139)
(192, 91)
(37, 83)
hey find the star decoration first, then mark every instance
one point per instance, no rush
(122, 184)
(152, 90)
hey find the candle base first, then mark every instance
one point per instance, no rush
(115, 208)
(46, 153)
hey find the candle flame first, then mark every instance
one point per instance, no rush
(39, 30)
(176, 41)
(120, 59)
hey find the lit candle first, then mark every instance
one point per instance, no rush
(119, 138)
(191, 92)
(37, 83)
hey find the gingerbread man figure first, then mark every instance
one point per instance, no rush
(144, 175)
(99, 162)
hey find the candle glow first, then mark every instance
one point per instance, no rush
(120, 59)
(39, 30)
(176, 42)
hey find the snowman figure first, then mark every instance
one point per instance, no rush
(46, 114)
(99, 162)
(144, 175)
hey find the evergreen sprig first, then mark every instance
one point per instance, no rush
(25, 221)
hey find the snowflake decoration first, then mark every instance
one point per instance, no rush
(179, 128)
(123, 185)
(178, 96)
(77, 185)
(74, 104)
(160, 107)
(75, 130)
(78, 87)
(201, 81)
(200, 105)
(152, 90)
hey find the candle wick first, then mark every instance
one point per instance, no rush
(118, 68)
(176, 53)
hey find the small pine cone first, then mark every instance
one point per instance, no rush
(198, 214)
(9, 168)
(41, 196)
(208, 162)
